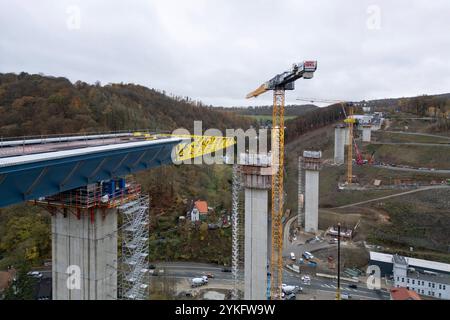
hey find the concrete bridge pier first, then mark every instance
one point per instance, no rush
(256, 173)
(84, 255)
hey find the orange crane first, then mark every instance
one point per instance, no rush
(279, 84)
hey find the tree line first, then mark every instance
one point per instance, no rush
(32, 104)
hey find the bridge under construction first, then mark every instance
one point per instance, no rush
(79, 181)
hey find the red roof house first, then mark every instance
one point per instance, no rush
(404, 294)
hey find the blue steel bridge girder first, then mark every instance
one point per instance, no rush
(32, 180)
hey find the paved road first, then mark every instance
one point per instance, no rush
(445, 171)
(287, 227)
(187, 270)
(418, 134)
(420, 144)
(192, 270)
(13, 149)
(395, 195)
(330, 286)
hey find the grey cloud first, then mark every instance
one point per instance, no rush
(217, 51)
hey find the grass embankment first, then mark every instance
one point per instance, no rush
(420, 221)
(415, 156)
(399, 137)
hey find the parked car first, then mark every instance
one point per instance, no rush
(346, 296)
(152, 266)
(35, 274)
(292, 256)
(306, 279)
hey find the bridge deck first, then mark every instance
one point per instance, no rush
(42, 168)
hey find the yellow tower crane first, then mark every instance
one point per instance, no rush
(350, 122)
(279, 84)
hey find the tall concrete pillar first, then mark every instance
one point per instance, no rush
(255, 244)
(312, 201)
(88, 245)
(339, 141)
(366, 133)
(311, 165)
(347, 136)
(256, 173)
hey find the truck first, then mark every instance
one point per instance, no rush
(197, 282)
(288, 289)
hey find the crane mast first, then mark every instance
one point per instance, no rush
(276, 257)
(279, 84)
(350, 121)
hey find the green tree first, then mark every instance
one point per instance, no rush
(23, 287)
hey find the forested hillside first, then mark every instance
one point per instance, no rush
(40, 105)
(314, 119)
(35, 105)
(289, 110)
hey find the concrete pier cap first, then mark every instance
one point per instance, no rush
(256, 170)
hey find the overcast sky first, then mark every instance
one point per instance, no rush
(219, 50)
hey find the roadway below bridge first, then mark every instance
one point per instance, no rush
(317, 287)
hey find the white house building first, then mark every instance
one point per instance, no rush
(426, 283)
(199, 211)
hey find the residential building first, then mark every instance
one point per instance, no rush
(199, 211)
(423, 282)
(404, 294)
(385, 262)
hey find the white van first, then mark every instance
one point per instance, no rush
(346, 296)
(292, 256)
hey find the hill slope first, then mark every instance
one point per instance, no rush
(36, 105)
(40, 105)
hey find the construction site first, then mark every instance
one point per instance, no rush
(122, 191)
(101, 228)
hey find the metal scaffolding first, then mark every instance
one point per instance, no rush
(237, 244)
(134, 266)
(301, 193)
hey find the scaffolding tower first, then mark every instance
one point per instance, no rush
(301, 193)
(134, 265)
(237, 242)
